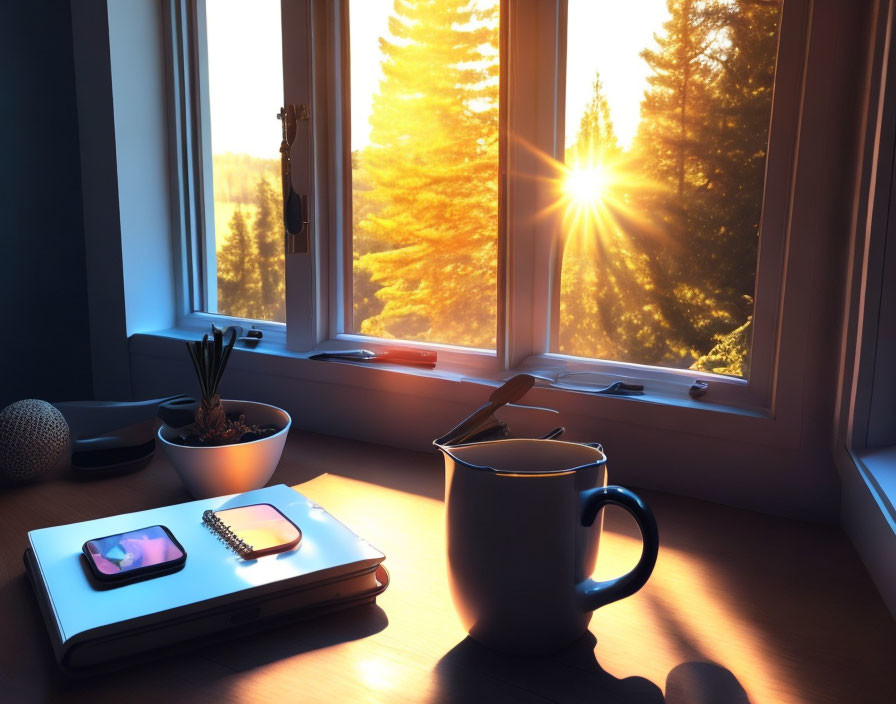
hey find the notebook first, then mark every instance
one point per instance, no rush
(217, 588)
(253, 531)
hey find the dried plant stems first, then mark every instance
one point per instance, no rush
(209, 359)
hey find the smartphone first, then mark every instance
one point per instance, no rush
(129, 557)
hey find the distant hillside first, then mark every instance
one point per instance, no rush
(236, 176)
(236, 181)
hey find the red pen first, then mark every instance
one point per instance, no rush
(396, 355)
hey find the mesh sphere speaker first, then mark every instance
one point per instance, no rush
(33, 436)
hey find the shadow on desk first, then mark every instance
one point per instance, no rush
(266, 646)
(471, 672)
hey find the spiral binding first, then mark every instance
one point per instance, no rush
(225, 533)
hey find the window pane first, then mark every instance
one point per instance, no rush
(668, 105)
(424, 126)
(245, 78)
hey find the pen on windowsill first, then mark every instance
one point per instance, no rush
(415, 358)
(620, 388)
(616, 388)
(696, 390)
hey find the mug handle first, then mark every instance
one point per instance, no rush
(597, 594)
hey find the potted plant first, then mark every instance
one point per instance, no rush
(230, 446)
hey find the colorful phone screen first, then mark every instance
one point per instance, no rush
(136, 549)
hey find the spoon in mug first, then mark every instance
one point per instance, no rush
(512, 390)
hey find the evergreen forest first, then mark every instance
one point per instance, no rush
(658, 258)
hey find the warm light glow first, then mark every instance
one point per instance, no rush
(591, 192)
(587, 184)
(677, 630)
(378, 673)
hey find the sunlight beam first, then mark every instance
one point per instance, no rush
(587, 184)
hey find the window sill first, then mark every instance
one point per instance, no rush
(721, 454)
(458, 385)
(451, 367)
(868, 513)
(878, 468)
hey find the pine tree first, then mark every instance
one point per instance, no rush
(237, 282)
(677, 104)
(432, 164)
(268, 234)
(365, 304)
(702, 141)
(596, 140)
(738, 141)
(677, 101)
(607, 307)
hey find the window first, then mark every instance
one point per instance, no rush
(668, 107)
(244, 233)
(868, 376)
(865, 441)
(576, 187)
(424, 167)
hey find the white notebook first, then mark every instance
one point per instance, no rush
(214, 575)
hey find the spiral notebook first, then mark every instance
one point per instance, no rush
(253, 531)
(245, 563)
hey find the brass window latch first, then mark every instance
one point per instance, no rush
(295, 205)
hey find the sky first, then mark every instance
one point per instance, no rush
(607, 36)
(246, 76)
(245, 66)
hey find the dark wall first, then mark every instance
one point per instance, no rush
(45, 345)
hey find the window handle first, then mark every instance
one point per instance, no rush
(295, 218)
(295, 206)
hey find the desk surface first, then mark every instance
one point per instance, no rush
(741, 607)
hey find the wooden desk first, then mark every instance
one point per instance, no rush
(741, 607)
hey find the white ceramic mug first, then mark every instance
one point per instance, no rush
(522, 541)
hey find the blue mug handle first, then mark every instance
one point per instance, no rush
(597, 594)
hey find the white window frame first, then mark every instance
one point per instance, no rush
(192, 193)
(864, 444)
(532, 328)
(533, 47)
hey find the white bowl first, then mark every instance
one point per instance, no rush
(230, 469)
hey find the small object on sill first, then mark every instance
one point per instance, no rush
(224, 331)
(414, 358)
(620, 388)
(617, 388)
(590, 383)
(250, 339)
(698, 389)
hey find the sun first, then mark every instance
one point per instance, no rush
(587, 184)
(591, 193)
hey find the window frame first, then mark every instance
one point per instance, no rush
(865, 405)
(535, 345)
(192, 194)
(319, 288)
(864, 441)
